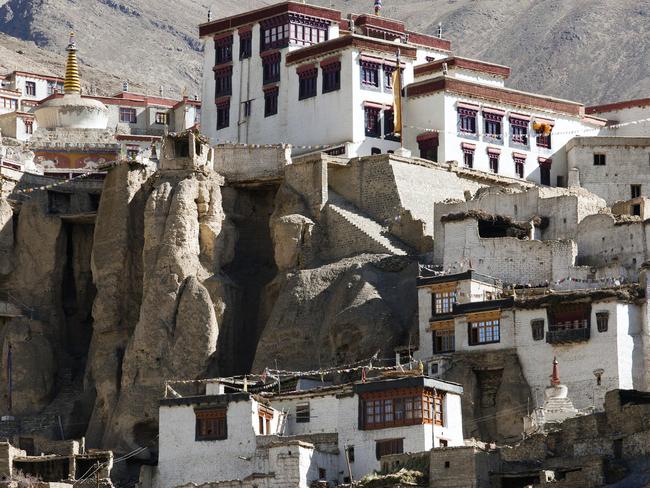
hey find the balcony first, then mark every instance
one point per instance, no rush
(568, 335)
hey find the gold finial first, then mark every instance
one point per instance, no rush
(72, 82)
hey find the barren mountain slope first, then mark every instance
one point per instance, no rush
(587, 50)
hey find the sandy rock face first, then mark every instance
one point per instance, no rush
(176, 331)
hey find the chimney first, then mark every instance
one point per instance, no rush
(439, 30)
(209, 15)
(161, 90)
(125, 86)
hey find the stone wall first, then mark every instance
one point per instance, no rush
(242, 162)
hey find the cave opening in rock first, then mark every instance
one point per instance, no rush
(252, 268)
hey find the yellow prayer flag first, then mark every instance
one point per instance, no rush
(397, 102)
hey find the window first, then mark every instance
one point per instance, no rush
(545, 171)
(331, 77)
(54, 87)
(9, 103)
(537, 328)
(428, 145)
(350, 451)
(372, 121)
(389, 125)
(389, 446)
(223, 50)
(388, 76)
(275, 33)
(245, 44)
(223, 114)
(223, 82)
(635, 191)
(161, 118)
(492, 123)
(600, 160)
(519, 166)
(265, 416)
(271, 102)
(30, 88)
(444, 340)
(211, 424)
(494, 162)
(302, 413)
(271, 68)
(518, 131)
(444, 443)
(246, 108)
(322, 473)
(369, 74)
(399, 407)
(29, 127)
(560, 181)
(374, 151)
(128, 115)
(484, 332)
(132, 152)
(636, 210)
(305, 31)
(467, 120)
(468, 154)
(602, 321)
(307, 82)
(544, 141)
(443, 302)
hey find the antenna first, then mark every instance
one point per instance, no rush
(209, 14)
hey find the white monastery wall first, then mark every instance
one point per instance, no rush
(623, 116)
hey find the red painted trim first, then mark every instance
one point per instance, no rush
(494, 111)
(247, 29)
(329, 61)
(380, 22)
(468, 106)
(493, 94)
(467, 145)
(515, 115)
(542, 120)
(223, 35)
(306, 67)
(516, 155)
(125, 102)
(267, 12)
(427, 136)
(27, 74)
(544, 161)
(609, 107)
(374, 105)
(129, 137)
(462, 63)
(493, 150)
(343, 42)
(429, 41)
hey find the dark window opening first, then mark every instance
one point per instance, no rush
(223, 115)
(428, 146)
(600, 160)
(223, 82)
(245, 45)
(544, 141)
(307, 84)
(372, 121)
(635, 191)
(568, 322)
(492, 125)
(270, 102)
(444, 340)
(519, 167)
(537, 328)
(128, 115)
(302, 413)
(501, 227)
(182, 147)
(271, 68)
(545, 174)
(322, 474)
(519, 131)
(30, 88)
(636, 210)
(602, 321)
(331, 77)
(223, 50)
(374, 151)
(389, 126)
(387, 447)
(494, 162)
(351, 454)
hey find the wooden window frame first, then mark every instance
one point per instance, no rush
(467, 121)
(474, 331)
(635, 190)
(443, 301)
(307, 84)
(271, 68)
(132, 115)
(370, 74)
(600, 159)
(602, 321)
(223, 114)
(271, 102)
(371, 122)
(331, 77)
(402, 407)
(162, 118)
(386, 447)
(223, 50)
(30, 88)
(303, 413)
(537, 326)
(245, 45)
(519, 132)
(444, 336)
(211, 419)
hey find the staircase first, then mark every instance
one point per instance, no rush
(355, 232)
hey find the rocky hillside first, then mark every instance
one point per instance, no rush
(561, 48)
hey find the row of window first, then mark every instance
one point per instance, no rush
(372, 120)
(487, 332)
(275, 33)
(129, 115)
(376, 75)
(493, 128)
(308, 80)
(10, 103)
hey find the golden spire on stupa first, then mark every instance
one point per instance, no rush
(72, 82)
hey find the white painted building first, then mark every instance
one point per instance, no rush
(223, 436)
(296, 73)
(598, 336)
(459, 109)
